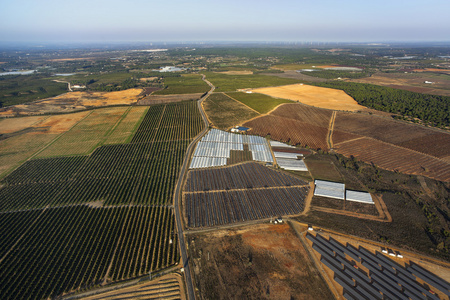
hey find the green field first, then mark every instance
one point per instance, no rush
(259, 102)
(84, 238)
(80, 247)
(143, 171)
(20, 89)
(225, 112)
(186, 84)
(230, 83)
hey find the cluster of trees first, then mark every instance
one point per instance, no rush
(128, 83)
(431, 109)
(331, 74)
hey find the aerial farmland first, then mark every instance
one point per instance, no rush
(234, 170)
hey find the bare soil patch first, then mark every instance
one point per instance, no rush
(258, 262)
(73, 101)
(314, 96)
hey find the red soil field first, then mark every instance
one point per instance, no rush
(342, 136)
(304, 113)
(285, 129)
(393, 158)
(300, 124)
(384, 129)
(415, 137)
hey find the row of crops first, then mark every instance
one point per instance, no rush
(52, 244)
(141, 172)
(65, 249)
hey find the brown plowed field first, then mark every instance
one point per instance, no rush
(342, 136)
(415, 137)
(437, 144)
(285, 129)
(393, 158)
(304, 113)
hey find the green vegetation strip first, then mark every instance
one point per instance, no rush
(230, 83)
(185, 84)
(259, 102)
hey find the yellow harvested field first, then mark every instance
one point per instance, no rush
(61, 123)
(148, 79)
(98, 98)
(314, 96)
(236, 72)
(15, 124)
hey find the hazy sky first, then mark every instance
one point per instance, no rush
(232, 20)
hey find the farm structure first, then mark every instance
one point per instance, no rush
(241, 193)
(337, 190)
(385, 278)
(356, 196)
(288, 158)
(216, 146)
(329, 189)
(295, 123)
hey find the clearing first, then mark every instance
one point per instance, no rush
(255, 262)
(314, 96)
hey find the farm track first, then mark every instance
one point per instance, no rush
(177, 195)
(253, 189)
(330, 130)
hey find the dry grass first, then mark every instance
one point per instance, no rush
(314, 96)
(16, 124)
(243, 72)
(61, 123)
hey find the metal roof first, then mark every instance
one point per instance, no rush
(323, 192)
(286, 155)
(292, 164)
(217, 144)
(280, 144)
(362, 197)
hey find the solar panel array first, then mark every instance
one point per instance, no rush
(386, 279)
(329, 189)
(214, 148)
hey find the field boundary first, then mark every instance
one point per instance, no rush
(331, 129)
(225, 93)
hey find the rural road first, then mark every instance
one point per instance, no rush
(177, 197)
